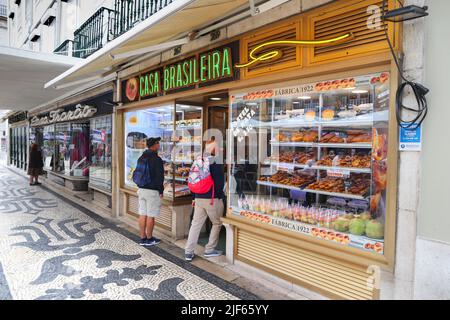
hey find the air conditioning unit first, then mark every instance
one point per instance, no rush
(49, 16)
(35, 35)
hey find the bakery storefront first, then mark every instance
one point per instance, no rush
(181, 123)
(76, 143)
(311, 145)
(18, 148)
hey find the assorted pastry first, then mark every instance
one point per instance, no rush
(290, 179)
(355, 161)
(180, 190)
(333, 137)
(357, 184)
(181, 123)
(183, 171)
(335, 85)
(347, 136)
(308, 136)
(293, 157)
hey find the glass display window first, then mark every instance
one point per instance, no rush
(62, 144)
(37, 136)
(79, 149)
(313, 158)
(100, 174)
(48, 147)
(141, 125)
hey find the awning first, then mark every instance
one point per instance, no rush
(179, 17)
(23, 75)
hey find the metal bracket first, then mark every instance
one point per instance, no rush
(253, 9)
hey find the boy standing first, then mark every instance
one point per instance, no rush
(151, 194)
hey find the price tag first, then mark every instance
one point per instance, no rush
(338, 173)
(347, 185)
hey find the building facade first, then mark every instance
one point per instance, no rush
(51, 25)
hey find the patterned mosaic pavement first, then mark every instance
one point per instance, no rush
(53, 249)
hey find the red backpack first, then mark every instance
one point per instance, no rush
(200, 180)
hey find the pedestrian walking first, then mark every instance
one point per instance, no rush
(206, 181)
(149, 177)
(35, 165)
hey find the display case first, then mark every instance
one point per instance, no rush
(187, 138)
(100, 173)
(312, 159)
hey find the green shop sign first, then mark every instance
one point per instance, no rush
(203, 69)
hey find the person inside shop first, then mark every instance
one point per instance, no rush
(36, 165)
(208, 205)
(149, 177)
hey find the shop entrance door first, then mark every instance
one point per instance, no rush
(217, 120)
(215, 116)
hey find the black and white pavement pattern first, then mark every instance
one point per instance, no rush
(51, 248)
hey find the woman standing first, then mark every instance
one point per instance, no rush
(35, 165)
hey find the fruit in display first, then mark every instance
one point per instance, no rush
(366, 216)
(357, 226)
(375, 229)
(341, 224)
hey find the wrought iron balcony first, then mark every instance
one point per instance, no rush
(131, 12)
(94, 33)
(65, 48)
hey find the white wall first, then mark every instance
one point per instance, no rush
(3, 32)
(434, 213)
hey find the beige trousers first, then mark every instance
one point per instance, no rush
(204, 209)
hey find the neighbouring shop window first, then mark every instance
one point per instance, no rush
(48, 147)
(141, 125)
(101, 153)
(79, 150)
(37, 136)
(313, 159)
(18, 144)
(62, 139)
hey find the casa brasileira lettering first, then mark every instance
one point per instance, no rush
(206, 67)
(55, 116)
(200, 69)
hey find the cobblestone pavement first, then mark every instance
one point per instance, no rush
(51, 249)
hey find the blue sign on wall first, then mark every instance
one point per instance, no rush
(410, 139)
